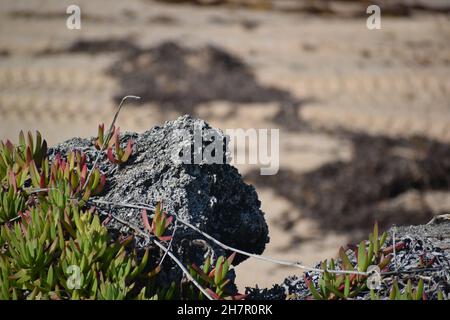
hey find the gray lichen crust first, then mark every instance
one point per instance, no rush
(213, 197)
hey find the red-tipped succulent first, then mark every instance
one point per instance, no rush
(110, 143)
(160, 222)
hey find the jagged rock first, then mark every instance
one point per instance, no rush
(212, 197)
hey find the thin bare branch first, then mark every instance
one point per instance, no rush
(170, 243)
(260, 257)
(108, 137)
(394, 228)
(38, 190)
(183, 268)
(167, 251)
(418, 270)
(224, 246)
(123, 205)
(10, 220)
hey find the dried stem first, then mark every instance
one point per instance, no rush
(167, 251)
(108, 137)
(394, 229)
(256, 256)
(170, 243)
(226, 247)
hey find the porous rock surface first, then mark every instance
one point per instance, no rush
(213, 197)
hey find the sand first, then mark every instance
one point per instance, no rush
(393, 82)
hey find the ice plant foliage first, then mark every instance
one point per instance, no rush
(18, 157)
(409, 293)
(332, 286)
(16, 161)
(46, 228)
(112, 140)
(44, 244)
(73, 172)
(160, 222)
(214, 278)
(54, 246)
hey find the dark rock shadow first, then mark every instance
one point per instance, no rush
(181, 78)
(351, 196)
(93, 46)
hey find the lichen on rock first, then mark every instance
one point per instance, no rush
(213, 197)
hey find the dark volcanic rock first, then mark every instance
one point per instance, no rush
(213, 197)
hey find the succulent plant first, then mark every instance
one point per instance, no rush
(345, 286)
(160, 222)
(214, 278)
(332, 285)
(111, 140)
(54, 246)
(408, 293)
(44, 233)
(16, 159)
(47, 241)
(101, 142)
(11, 203)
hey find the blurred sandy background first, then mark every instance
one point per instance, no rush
(364, 115)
